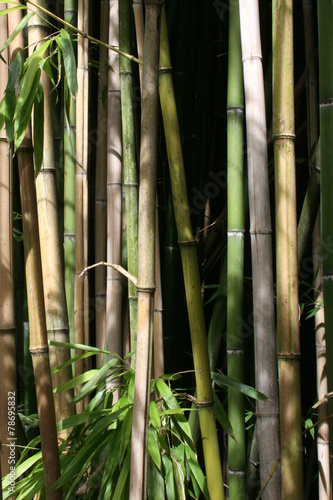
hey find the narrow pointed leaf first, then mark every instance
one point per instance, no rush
(16, 31)
(223, 381)
(169, 478)
(196, 471)
(222, 417)
(154, 415)
(153, 448)
(69, 61)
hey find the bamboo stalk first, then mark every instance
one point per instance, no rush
(288, 341)
(7, 310)
(261, 248)
(191, 273)
(139, 29)
(129, 165)
(235, 253)
(81, 309)
(47, 205)
(70, 15)
(114, 196)
(325, 20)
(100, 191)
(146, 251)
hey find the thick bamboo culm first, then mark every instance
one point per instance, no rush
(129, 165)
(235, 258)
(288, 341)
(53, 276)
(261, 249)
(7, 311)
(100, 191)
(81, 191)
(325, 22)
(146, 252)
(191, 273)
(114, 338)
(70, 15)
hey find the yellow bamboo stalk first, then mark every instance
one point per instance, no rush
(53, 276)
(7, 313)
(81, 298)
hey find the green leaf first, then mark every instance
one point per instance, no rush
(169, 479)
(69, 61)
(154, 415)
(2, 112)
(23, 112)
(223, 381)
(80, 379)
(155, 483)
(153, 448)
(39, 127)
(178, 471)
(10, 96)
(222, 417)
(196, 471)
(121, 483)
(17, 30)
(97, 376)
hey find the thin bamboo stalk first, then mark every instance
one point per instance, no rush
(261, 248)
(325, 33)
(191, 273)
(129, 165)
(53, 282)
(288, 341)
(100, 191)
(146, 251)
(38, 334)
(235, 253)
(114, 196)
(70, 15)
(8, 394)
(81, 190)
(139, 29)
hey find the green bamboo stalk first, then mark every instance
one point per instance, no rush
(38, 335)
(235, 252)
(53, 282)
(81, 191)
(129, 164)
(100, 190)
(7, 309)
(288, 341)
(146, 251)
(191, 273)
(325, 20)
(261, 249)
(114, 338)
(139, 30)
(69, 134)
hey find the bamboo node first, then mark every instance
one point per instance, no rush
(187, 243)
(165, 69)
(261, 231)
(275, 137)
(289, 356)
(199, 404)
(325, 102)
(35, 351)
(148, 289)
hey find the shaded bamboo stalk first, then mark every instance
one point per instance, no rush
(288, 341)
(38, 334)
(8, 394)
(191, 273)
(139, 30)
(100, 191)
(235, 256)
(261, 248)
(129, 165)
(70, 15)
(53, 281)
(114, 340)
(146, 251)
(325, 22)
(81, 309)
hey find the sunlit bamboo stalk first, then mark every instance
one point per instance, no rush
(288, 341)
(191, 273)
(146, 252)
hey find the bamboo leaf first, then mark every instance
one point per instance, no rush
(223, 381)
(155, 482)
(80, 379)
(122, 477)
(178, 471)
(169, 478)
(97, 377)
(10, 97)
(69, 61)
(153, 448)
(154, 415)
(196, 471)
(222, 417)
(39, 127)
(17, 30)
(2, 112)
(23, 110)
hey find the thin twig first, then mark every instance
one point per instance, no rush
(268, 479)
(117, 267)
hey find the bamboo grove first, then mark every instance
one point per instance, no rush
(166, 249)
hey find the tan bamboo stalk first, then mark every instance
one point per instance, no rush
(7, 311)
(37, 323)
(261, 247)
(81, 190)
(190, 271)
(288, 341)
(100, 191)
(146, 251)
(53, 276)
(114, 195)
(139, 29)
